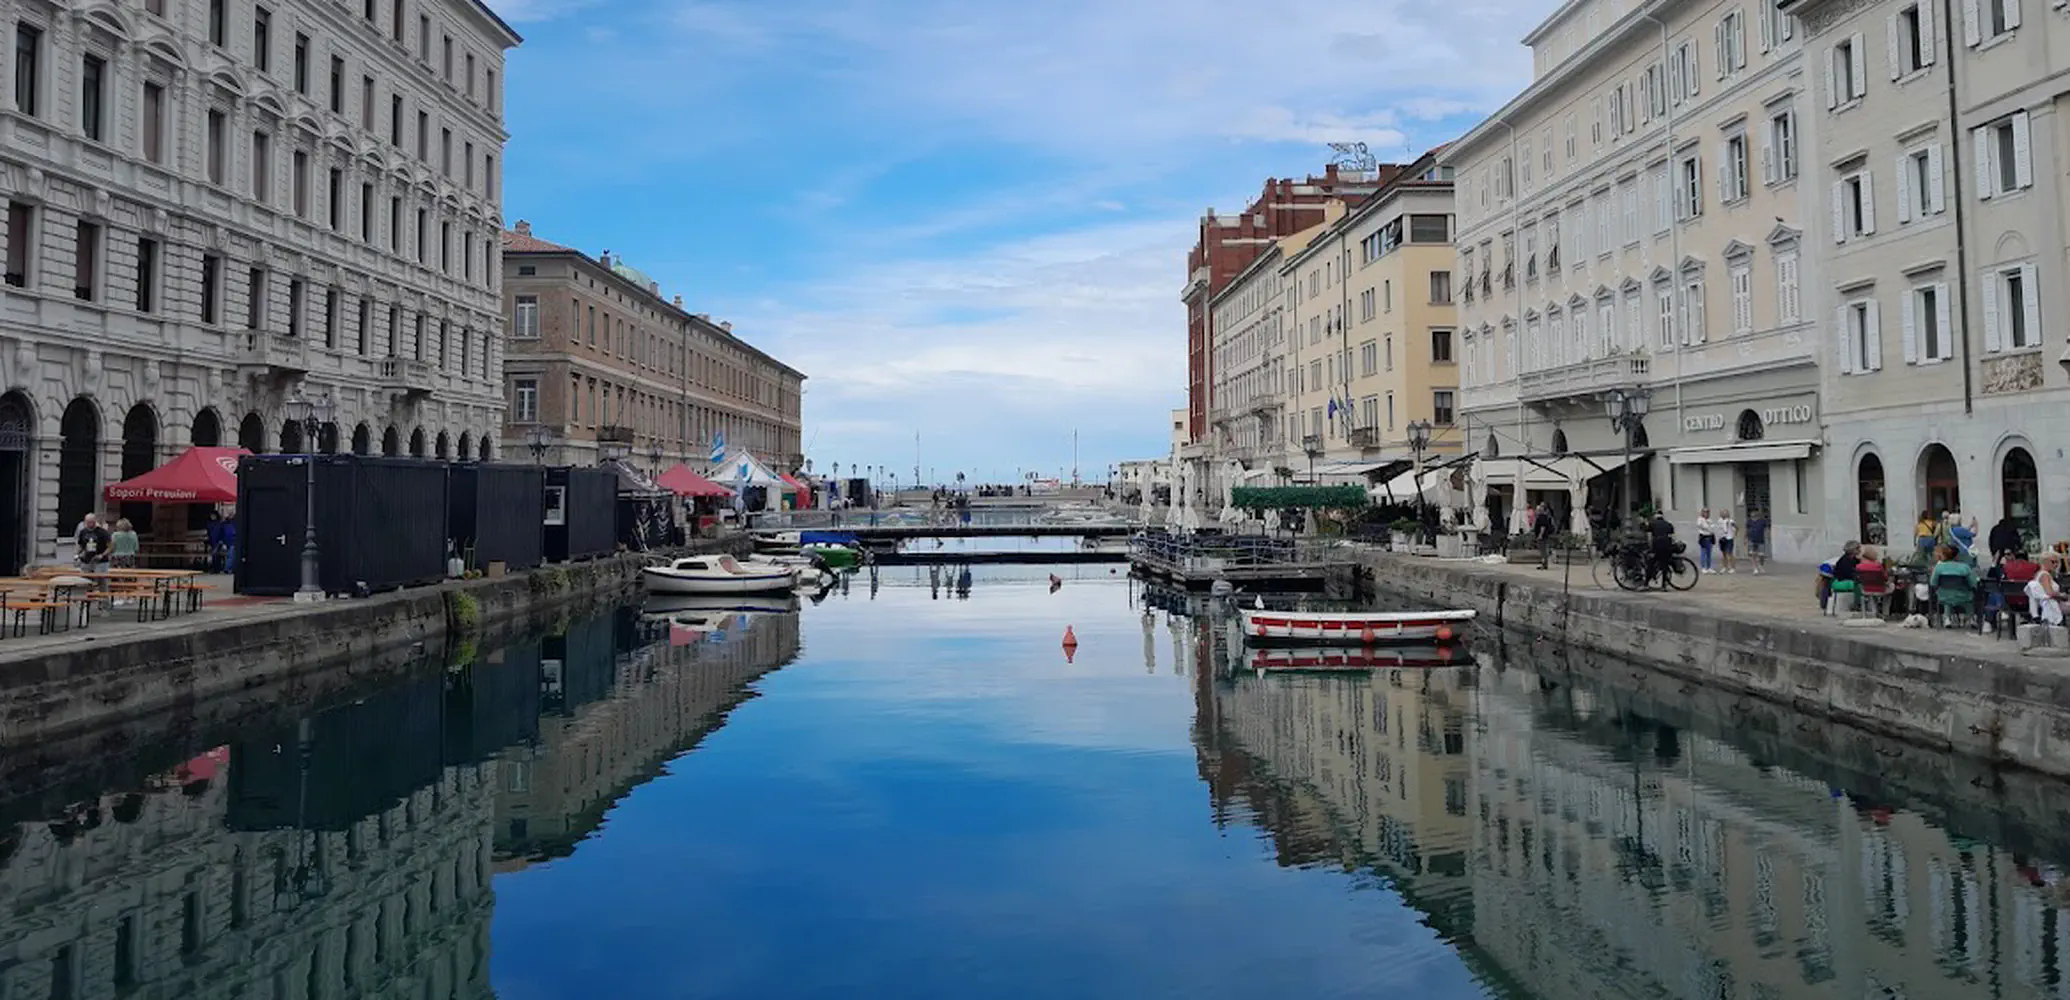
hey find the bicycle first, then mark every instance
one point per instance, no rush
(1631, 568)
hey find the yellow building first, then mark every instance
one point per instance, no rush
(1373, 344)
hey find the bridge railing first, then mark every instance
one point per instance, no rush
(1209, 552)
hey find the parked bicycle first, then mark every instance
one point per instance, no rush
(1630, 565)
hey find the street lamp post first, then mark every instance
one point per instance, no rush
(311, 414)
(537, 438)
(1628, 409)
(1419, 441)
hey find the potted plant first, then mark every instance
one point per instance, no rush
(1404, 531)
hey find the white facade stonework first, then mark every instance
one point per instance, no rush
(1946, 371)
(340, 161)
(1247, 412)
(1632, 221)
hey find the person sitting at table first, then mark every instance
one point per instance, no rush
(1954, 582)
(2044, 597)
(1841, 576)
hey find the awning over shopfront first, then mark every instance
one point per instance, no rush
(198, 475)
(1355, 469)
(1553, 472)
(1745, 451)
(1432, 484)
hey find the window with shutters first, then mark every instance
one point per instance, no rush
(1779, 150)
(1635, 318)
(1854, 206)
(1789, 302)
(1685, 69)
(1606, 234)
(1578, 212)
(1369, 358)
(1691, 309)
(1689, 186)
(1921, 191)
(1555, 353)
(1581, 344)
(1732, 169)
(1595, 122)
(1986, 21)
(2005, 161)
(1606, 325)
(1664, 315)
(1925, 322)
(1524, 157)
(1911, 33)
(1847, 73)
(1861, 337)
(1742, 273)
(1776, 27)
(1629, 192)
(1573, 148)
(2012, 308)
(1663, 200)
(1732, 44)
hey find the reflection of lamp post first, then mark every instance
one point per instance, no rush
(1419, 440)
(537, 438)
(311, 414)
(1627, 410)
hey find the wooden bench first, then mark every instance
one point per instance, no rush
(50, 614)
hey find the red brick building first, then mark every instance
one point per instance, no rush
(1228, 244)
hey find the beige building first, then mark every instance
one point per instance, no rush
(1946, 372)
(1373, 341)
(1629, 223)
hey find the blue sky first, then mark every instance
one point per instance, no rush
(964, 219)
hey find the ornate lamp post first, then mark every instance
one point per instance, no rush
(1628, 409)
(538, 438)
(312, 414)
(1419, 441)
(654, 456)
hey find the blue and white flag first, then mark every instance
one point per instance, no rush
(718, 447)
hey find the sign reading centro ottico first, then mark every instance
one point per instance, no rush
(1773, 416)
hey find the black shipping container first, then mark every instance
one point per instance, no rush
(380, 522)
(493, 704)
(499, 512)
(857, 493)
(581, 513)
(357, 760)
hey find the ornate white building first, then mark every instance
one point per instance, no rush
(214, 203)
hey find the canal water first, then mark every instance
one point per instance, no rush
(910, 788)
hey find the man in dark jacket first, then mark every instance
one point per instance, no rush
(1661, 531)
(2005, 538)
(1542, 527)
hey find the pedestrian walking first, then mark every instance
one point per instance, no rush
(1757, 539)
(92, 540)
(1706, 539)
(1728, 532)
(1542, 527)
(123, 545)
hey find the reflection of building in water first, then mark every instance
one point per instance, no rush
(1380, 756)
(285, 872)
(1614, 857)
(624, 709)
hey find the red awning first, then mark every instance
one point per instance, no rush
(803, 491)
(685, 483)
(199, 475)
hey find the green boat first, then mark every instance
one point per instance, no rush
(836, 556)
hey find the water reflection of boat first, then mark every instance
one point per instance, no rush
(662, 605)
(1352, 628)
(1358, 658)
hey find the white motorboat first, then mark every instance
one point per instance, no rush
(718, 574)
(1350, 628)
(776, 542)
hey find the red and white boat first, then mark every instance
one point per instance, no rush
(1345, 628)
(1300, 658)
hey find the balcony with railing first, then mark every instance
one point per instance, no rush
(413, 377)
(1585, 378)
(615, 434)
(1364, 438)
(272, 354)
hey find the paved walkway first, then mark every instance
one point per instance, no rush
(1782, 595)
(220, 607)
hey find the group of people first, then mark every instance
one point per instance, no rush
(1945, 547)
(99, 548)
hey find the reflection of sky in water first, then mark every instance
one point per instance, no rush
(932, 802)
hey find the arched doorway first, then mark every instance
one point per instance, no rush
(481, 449)
(2021, 488)
(1559, 442)
(466, 446)
(251, 434)
(139, 455)
(1870, 505)
(17, 420)
(444, 448)
(291, 437)
(417, 443)
(79, 446)
(327, 438)
(1940, 482)
(362, 440)
(391, 443)
(1749, 426)
(207, 431)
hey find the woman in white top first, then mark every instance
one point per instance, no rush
(1706, 537)
(2044, 598)
(1727, 531)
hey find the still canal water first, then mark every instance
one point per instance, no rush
(906, 789)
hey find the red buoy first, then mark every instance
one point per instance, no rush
(1070, 639)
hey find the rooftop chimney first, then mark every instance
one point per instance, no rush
(679, 302)
(726, 325)
(524, 228)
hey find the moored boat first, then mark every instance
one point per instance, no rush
(717, 575)
(1352, 628)
(1301, 658)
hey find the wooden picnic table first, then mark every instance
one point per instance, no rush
(55, 594)
(165, 584)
